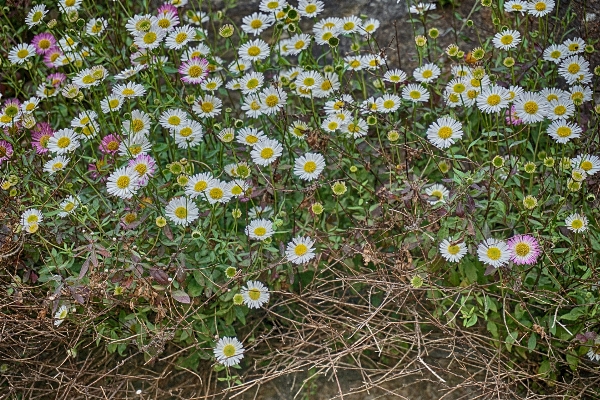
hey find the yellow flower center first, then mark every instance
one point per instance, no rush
(310, 167)
(229, 350)
(141, 169)
(211, 85)
(236, 190)
(266, 153)
(150, 37)
(207, 106)
(114, 103)
(564, 131)
(128, 92)
(22, 53)
(252, 83)
(130, 218)
(348, 26)
(453, 249)
(471, 94)
(200, 186)
(332, 125)
(251, 139)
(215, 193)
(573, 68)
(69, 207)
(586, 165)
(37, 16)
(531, 107)
(540, 6)
(311, 8)
(272, 5)
(32, 219)
(427, 74)
(507, 39)
(355, 63)
(57, 166)
(438, 194)
(560, 110)
(137, 125)
(389, 104)
(255, 105)
(63, 142)
(328, 35)
(135, 149)
(577, 224)
(522, 249)
(299, 44)
(459, 88)
(555, 54)
(260, 231)
(195, 71)
(494, 253)
(123, 182)
(113, 145)
(185, 132)
(300, 249)
(181, 37)
(415, 94)
(573, 47)
(69, 3)
(271, 100)
(181, 212)
(44, 44)
(445, 132)
(253, 51)
(174, 120)
(256, 24)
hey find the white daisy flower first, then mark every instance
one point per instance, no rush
(300, 250)
(560, 109)
(181, 211)
(309, 166)
(95, 26)
(195, 17)
(580, 94)
(531, 107)
(139, 124)
(563, 131)
(355, 128)
(84, 118)
(331, 124)
(252, 106)
(199, 51)
(237, 188)
(493, 252)
(388, 103)
(35, 15)
(151, 39)
(58, 163)
(444, 132)
(180, 36)
(421, 8)
(226, 135)
(68, 205)
(415, 93)
(370, 26)
(129, 90)
(61, 314)
(254, 50)
(452, 251)
(260, 229)
(129, 72)
(438, 193)
(493, 99)
(297, 43)
(30, 105)
(256, 23)
(507, 39)
(270, 6)
(351, 24)
(575, 69)
(31, 216)
(173, 118)
(217, 192)
(251, 82)
(555, 53)
(554, 94)
(310, 8)
(574, 46)
(197, 184)
(123, 182)
(21, 53)
(577, 223)
(111, 103)
(539, 8)
(272, 100)
(188, 134)
(395, 76)
(515, 6)
(134, 145)
(229, 351)
(322, 36)
(355, 62)
(266, 151)
(63, 141)
(66, 6)
(250, 136)
(207, 106)
(589, 163)
(427, 73)
(255, 294)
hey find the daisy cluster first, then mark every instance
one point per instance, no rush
(238, 134)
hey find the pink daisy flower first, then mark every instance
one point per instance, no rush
(51, 55)
(6, 151)
(194, 71)
(167, 8)
(512, 118)
(43, 42)
(110, 144)
(56, 79)
(40, 136)
(524, 249)
(145, 166)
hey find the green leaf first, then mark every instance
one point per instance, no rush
(471, 272)
(471, 321)
(573, 361)
(544, 368)
(181, 296)
(532, 342)
(574, 314)
(492, 328)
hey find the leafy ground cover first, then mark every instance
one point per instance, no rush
(240, 199)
